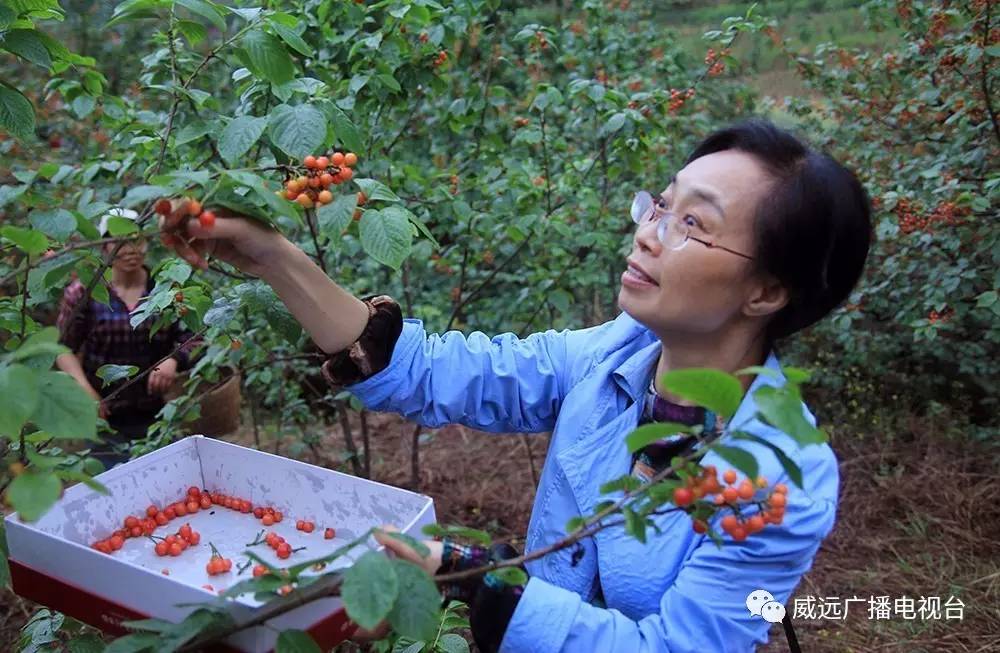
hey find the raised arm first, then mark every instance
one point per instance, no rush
(498, 384)
(333, 317)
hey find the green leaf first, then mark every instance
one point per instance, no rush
(787, 463)
(759, 369)
(783, 410)
(422, 549)
(85, 644)
(370, 588)
(346, 131)
(376, 190)
(18, 398)
(239, 136)
(616, 122)
(634, 524)
(191, 132)
(73, 476)
(261, 300)
(64, 409)
(83, 105)
(267, 57)
(140, 194)
(55, 223)
(194, 32)
(200, 621)
(206, 10)
(386, 236)
(135, 643)
(26, 44)
(222, 312)
(511, 575)
(711, 388)
(654, 431)
(135, 9)
(61, 52)
(292, 38)
(296, 641)
(626, 483)
(10, 193)
(30, 241)
(453, 643)
(112, 373)
(446, 530)
(40, 350)
(298, 130)
(333, 218)
(119, 226)
(33, 492)
(738, 458)
(417, 608)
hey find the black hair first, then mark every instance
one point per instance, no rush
(813, 230)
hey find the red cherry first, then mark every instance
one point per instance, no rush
(207, 219)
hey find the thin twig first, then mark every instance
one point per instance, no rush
(415, 458)
(149, 369)
(24, 297)
(345, 426)
(365, 448)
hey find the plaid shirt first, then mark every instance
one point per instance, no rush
(104, 337)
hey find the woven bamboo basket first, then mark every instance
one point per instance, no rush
(220, 403)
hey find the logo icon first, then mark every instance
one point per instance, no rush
(761, 603)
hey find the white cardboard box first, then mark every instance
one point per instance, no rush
(53, 563)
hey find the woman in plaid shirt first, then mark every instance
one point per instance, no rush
(99, 334)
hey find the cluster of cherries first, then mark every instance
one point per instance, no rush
(174, 545)
(138, 526)
(194, 500)
(714, 61)
(312, 186)
(772, 508)
(281, 548)
(192, 207)
(218, 564)
(268, 515)
(678, 98)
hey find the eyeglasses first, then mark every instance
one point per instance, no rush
(673, 233)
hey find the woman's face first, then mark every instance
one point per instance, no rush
(699, 290)
(131, 256)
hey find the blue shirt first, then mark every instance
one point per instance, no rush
(676, 593)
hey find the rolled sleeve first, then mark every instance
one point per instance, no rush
(498, 384)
